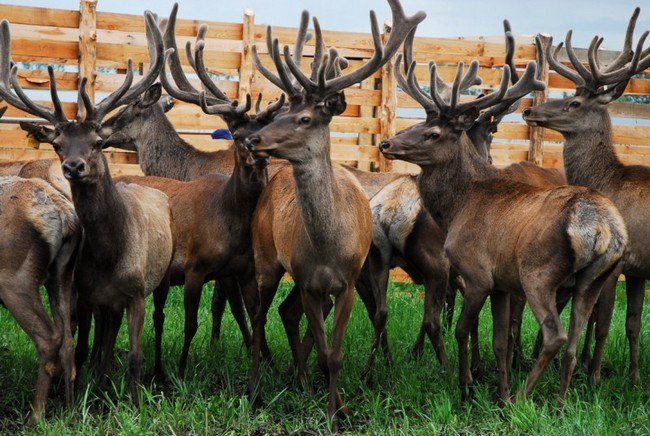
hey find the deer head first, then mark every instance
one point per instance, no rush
(316, 98)
(77, 142)
(596, 86)
(434, 142)
(132, 119)
(211, 99)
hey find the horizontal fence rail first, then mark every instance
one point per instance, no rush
(97, 45)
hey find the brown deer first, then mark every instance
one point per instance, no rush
(40, 238)
(127, 244)
(590, 160)
(313, 219)
(46, 169)
(523, 238)
(212, 214)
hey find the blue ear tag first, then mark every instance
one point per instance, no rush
(221, 134)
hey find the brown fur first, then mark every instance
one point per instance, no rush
(39, 241)
(46, 169)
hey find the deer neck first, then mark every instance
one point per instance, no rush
(315, 194)
(589, 155)
(102, 213)
(445, 187)
(244, 187)
(162, 152)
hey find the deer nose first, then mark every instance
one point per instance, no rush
(384, 145)
(252, 141)
(527, 112)
(73, 168)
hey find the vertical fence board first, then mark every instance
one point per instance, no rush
(246, 69)
(87, 44)
(388, 108)
(536, 145)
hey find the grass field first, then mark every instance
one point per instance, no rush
(410, 397)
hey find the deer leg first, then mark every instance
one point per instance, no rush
(562, 299)
(477, 366)
(236, 302)
(635, 289)
(159, 300)
(27, 308)
(268, 286)
(191, 300)
(542, 303)
(135, 319)
(434, 300)
(84, 318)
(585, 356)
(515, 349)
(472, 305)
(308, 338)
(450, 305)
(113, 323)
(291, 312)
(249, 294)
(219, 300)
(500, 305)
(101, 323)
(601, 318)
(378, 276)
(584, 299)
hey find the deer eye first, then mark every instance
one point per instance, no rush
(304, 121)
(99, 144)
(574, 104)
(56, 147)
(435, 136)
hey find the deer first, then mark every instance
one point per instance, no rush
(313, 219)
(41, 237)
(127, 242)
(590, 160)
(212, 214)
(523, 239)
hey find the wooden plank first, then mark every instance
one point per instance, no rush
(536, 146)
(39, 16)
(88, 44)
(388, 107)
(366, 111)
(246, 68)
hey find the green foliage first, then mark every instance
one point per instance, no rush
(413, 397)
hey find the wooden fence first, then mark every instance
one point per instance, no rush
(97, 45)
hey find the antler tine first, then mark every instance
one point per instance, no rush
(455, 89)
(579, 68)
(489, 99)
(402, 25)
(189, 96)
(435, 94)
(85, 100)
(412, 87)
(52, 115)
(175, 66)
(559, 67)
(272, 108)
(510, 51)
(8, 73)
(224, 108)
(592, 56)
(319, 50)
(625, 73)
(626, 54)
(125, 95)
(301, 37)
(202, 72)
(3, 110)
(258, 103)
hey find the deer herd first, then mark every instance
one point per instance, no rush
(275, 203)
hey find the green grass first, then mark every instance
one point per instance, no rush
(411, 397)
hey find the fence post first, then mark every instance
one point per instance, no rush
(365, 139)
(388, 108)
(246, 67)
(87, 44)
(536, 147)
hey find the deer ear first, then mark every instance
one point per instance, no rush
(466, 120)
(40, 133)
(151, 96)
(335, 104)
(611, 94)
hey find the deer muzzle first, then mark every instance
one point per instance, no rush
(74, 169)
